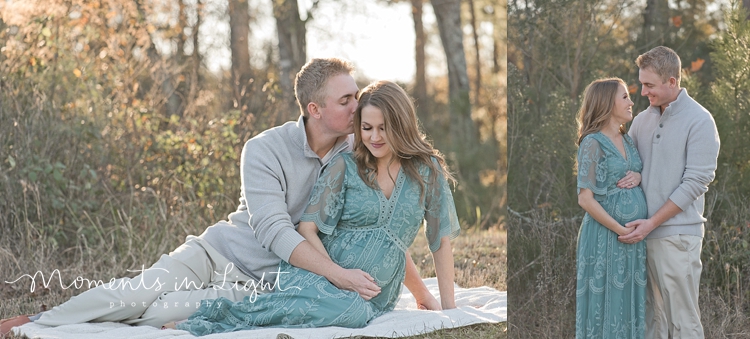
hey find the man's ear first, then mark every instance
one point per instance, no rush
(312, 109)
(672, 82)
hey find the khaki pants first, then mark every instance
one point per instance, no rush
(674, 269)
(170, 290)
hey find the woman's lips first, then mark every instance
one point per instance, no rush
(376, 145)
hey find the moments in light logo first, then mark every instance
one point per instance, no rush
(157, 279)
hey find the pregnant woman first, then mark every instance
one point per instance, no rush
(611, 277)
(364, 212)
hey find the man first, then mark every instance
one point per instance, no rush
(278, 170)
(679, 144)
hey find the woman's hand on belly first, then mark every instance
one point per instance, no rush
(630, 180)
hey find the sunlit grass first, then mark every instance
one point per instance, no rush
(480, 260)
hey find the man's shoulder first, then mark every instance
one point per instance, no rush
(693, 107)
(699, 112)
(279, 137)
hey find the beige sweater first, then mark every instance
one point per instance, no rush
(679, 149)
(278, 170)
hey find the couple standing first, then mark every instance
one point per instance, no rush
(324, 218)
(627, 287)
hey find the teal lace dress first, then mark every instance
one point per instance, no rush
(361, 229)
(611, 276)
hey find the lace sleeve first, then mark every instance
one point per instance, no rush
(327, 197)
(592, 167)
(440, 214)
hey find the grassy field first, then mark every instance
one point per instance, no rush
(542, 283)
(480, 260)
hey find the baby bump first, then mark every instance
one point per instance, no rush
(628, 205)
(372, 253)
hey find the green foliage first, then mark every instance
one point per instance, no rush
(89, 151)
(541, 148)
(730, 101)
(556, 48)
(728, 234)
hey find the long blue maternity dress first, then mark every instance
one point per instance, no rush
(361, 229)
(611, 279)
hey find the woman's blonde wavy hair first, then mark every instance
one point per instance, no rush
(597, 107)
(405, 139)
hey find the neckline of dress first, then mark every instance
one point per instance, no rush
(625, 157)
(395, 185)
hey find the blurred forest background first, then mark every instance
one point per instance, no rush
(555, 49)
(119, 137)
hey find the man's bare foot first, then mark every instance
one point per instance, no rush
(7, 324)
(170, 325)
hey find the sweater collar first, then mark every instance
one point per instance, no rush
(675, 106)
(299, 136)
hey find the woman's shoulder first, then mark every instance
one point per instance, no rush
(341, 162)
(426, 168)
(592, 140)
(628, 139)
(345, 157)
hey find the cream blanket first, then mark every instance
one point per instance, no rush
(475, 305)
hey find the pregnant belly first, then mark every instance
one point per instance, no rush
(369, 252)
(627, 205)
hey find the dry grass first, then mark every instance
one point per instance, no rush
(542, 281)
(480, 258)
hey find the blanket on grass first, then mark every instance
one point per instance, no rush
(474, 305)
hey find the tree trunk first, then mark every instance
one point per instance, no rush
(448, 15)
(420, 83)
(196, 60)
(181, 36)
(239, 25)
(746, 5)
(478, 65)
(161, 74)
(463, 135)
(500, 41)
(655, 25)
(292, 52)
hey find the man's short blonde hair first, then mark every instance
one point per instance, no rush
(309, 85)
(663, 61)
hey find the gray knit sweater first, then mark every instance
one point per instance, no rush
(278, 170)
(679, 149)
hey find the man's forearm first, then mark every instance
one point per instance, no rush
(665, 212)
(305, 256)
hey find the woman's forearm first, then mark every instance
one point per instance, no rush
(412, 281)
(589, 204)
(443, 259)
